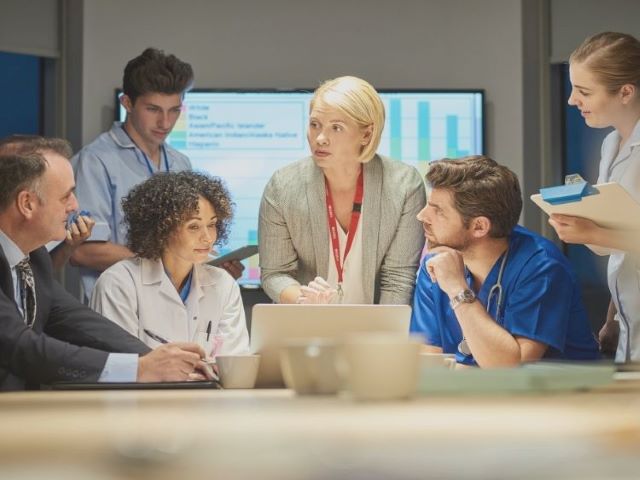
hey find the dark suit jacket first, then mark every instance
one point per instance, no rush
(68, 341)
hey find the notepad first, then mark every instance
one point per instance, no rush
(608, 205)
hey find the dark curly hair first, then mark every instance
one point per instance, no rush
(154, 209)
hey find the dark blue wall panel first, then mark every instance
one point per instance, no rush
(20, 91)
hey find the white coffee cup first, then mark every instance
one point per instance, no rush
(309, 366)
(380, 366)
(238, 371)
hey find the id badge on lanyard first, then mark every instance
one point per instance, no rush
(353, 226)
(144, 155)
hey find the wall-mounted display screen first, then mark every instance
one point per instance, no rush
(246, 135)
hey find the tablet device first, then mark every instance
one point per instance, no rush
(205, 384)
(237, 254)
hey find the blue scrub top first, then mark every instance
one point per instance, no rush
(541, 300)
(106, 170)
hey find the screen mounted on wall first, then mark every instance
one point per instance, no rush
(244, 136)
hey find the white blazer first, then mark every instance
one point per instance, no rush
(137, 294)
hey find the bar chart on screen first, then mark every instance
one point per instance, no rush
(244, 136)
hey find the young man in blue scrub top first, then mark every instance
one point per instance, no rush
(106, 170)
(129, 153)
(490, 291)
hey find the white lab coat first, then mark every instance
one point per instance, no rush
(137, 294)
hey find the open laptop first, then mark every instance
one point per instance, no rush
(272, 324)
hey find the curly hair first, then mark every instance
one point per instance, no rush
(155, 209)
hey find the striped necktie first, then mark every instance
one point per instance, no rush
(28, 290)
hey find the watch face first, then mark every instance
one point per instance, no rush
(465, 296)
(468, 296)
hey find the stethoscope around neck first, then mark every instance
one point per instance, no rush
(496, 290)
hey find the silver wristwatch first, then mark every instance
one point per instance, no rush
(465, 296)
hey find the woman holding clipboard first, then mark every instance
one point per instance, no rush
(605, 79)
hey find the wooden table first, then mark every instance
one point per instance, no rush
(264, 434)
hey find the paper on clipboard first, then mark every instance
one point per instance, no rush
(610, 207)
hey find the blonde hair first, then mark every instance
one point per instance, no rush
(358, 100)
(614, 59)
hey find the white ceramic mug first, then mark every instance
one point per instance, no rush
(238, 371)
(309, 366)
(380, 366)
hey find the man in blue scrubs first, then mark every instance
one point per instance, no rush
(492, 292)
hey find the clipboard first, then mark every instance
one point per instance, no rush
(608, 205)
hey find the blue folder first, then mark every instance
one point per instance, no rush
(572, 192)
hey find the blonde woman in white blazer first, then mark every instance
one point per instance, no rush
(167, 293)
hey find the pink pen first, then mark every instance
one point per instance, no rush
(211, 361)
(217, 345)
(217, 341)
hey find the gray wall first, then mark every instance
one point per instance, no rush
(280, 43)
(292, 43)
(574, 20)
(24, 31)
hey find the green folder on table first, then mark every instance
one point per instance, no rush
(529, 378)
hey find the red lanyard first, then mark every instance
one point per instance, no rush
(353, 225)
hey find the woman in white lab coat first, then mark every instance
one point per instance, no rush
(167, 293)
(605, 79)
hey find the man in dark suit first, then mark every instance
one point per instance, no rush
(46, 335)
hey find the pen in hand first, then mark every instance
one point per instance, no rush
(164, 341)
